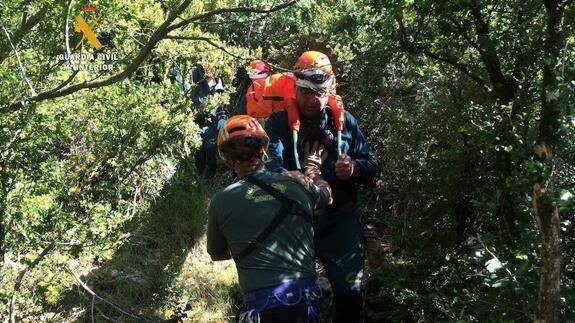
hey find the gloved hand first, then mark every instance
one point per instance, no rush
(307, 181)
(312, 158)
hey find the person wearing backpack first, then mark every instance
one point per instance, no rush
(339, 240)
(264, 222)
(259, 71)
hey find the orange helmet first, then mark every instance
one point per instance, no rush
(241, 134)
(258, 69)
(313, 60)
(313, 70)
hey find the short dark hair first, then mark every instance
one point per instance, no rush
(243, 148)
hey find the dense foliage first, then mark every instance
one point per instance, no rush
(96, 169)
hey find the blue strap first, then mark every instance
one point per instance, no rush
(287, 294)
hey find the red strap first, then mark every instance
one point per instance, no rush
(335, 103)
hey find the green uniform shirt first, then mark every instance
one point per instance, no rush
(242, 210)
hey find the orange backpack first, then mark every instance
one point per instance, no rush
(255, 106)
(269, 95)
(279, 89)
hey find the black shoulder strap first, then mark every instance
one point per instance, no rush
(288, 206)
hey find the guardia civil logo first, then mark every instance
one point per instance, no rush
(88, 54)
(83, 27)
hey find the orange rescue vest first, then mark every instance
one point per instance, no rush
(277, 93)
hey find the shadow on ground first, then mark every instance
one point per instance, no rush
(141, 282)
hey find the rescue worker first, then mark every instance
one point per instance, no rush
(259, 71)
(339, 240)
(264, 222)
(206, 160)
(175, 76)
(222, 114)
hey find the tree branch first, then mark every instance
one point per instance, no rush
(24, 16)
(524, 54)
(22, 69)
(67, 28)
(94, 295)
(458, 66)
(66, 82)
(408, 46)
(156, 37)
(18, 283)
(493, 256)
(489, 56)
(209, 41)
(186, 22)
(462, 32)
(231, 21)
(25, 27)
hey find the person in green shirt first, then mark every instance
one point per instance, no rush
(264, 222)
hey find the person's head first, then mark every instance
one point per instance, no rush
(222, 112)
(314, 80)
(258, 69)
(242, 140)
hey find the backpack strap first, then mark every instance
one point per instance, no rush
(253, 92)
(273, 97)
(288, 206)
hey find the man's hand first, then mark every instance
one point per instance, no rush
(344, 167)
(313, 156)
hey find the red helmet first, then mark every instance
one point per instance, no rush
(258, 69)
(240, 134)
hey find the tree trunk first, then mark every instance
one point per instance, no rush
(547, 217)
(2, 234)
(3, 220)
(504, 89)
(544, 192)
